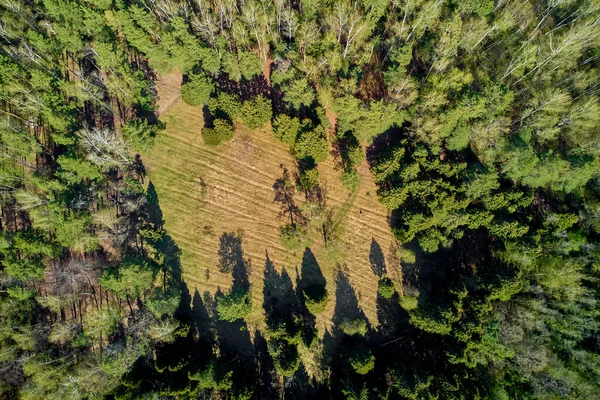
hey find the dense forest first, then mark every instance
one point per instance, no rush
(479, 120)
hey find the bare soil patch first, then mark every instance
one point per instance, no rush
(169, 90)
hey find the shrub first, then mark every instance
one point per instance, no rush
(285, 357)
(356, 327)
(308, 179)
(221, 132)
(140, 134)
(362, 360)
(407, 256)
(286, 128)
(409, 301)
(235, 305)
(197, 91)
(250, 65)
(226, 105)
(315, 299)
(293, 237)
(256, 113)
(386, 288)
(312, 143)
(350, 179)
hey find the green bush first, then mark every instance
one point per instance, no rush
(315, 299)
(285, 357)
(350, 179)
(386, 288)
(225, 105)
(197, 91)
(293, 237)
(250, 65)
(235, 305)
(286, 128)
(257, 112)
(312, 143)
(362, 360)
(308, 179)
(356, 327)
(140, 134)
(221, 132)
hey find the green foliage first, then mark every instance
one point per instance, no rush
(362, 360)
(222, 131)
(197, 91)
(480, 7)
(235, 305)
(225, 105)
(350, 180)
(294, 237)
(315, 298)
(386, 288)
(286, 128)
(140, 134)
(285, 357)
(312, 143)
(308, 179)
(132, 278)
(354, 327)
(247, 66)
(164, 303)
(481, 124)
(256, 113)
(299, 94)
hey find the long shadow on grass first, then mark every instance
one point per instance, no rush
(377, 259)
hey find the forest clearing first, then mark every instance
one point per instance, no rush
(206, 191)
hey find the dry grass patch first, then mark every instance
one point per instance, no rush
(207, 191)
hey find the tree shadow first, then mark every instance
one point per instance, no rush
(311, 281)
(278, 290)
(350, 333)
(377, 259)
(234, 342)
(346, 303)
(202, 323)
(152, 207)
(385, 142)
(302, 386)
(284, 195)
(267, 380)
(393, 321)
(231, 259)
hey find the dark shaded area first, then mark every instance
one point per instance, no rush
(346, 305)
(377, 259)
(390, 138)
(152, 207)
(231, 259)
(278, 291)
(234, 341)
(302, 386)
(244, 89)
(338, 347)
(311, 280)
(266, 389)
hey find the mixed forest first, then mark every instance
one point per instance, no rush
(480, 124)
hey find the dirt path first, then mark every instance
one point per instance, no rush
(168, 88)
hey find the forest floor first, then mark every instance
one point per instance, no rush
(205, 192)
